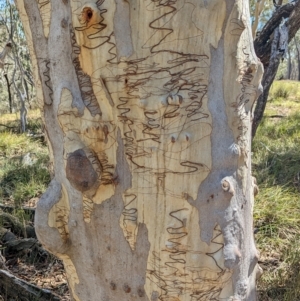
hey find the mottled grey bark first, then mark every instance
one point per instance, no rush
(279, 46)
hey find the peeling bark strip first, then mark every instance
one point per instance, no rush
(40, 44)
(153, 194)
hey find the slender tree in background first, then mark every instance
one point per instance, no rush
(3, 55)
(297, 48)
(17, 69)
(289, 63)
(147, 107)
(258, 7)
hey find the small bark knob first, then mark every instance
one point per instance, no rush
(227, 185)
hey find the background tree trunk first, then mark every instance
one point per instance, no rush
(259, 6)
(289, 64)
(147, 106)
(9, 93)
(298, 58)
(286, 22)
(279, 45)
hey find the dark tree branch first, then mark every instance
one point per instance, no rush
(262, 43)
(279, 42)
(294, 21)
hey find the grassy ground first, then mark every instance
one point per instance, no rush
(24, 176)
(276, 165)
(23, 161)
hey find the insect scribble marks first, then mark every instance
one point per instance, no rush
(48, 83)
(85, 84)
(42, 3)
(157, 98)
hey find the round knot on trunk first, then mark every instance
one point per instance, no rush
(90, 14)
(81, 172)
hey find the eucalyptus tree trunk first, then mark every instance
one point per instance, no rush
(147, 107)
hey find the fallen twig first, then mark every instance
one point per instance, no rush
(14, 287)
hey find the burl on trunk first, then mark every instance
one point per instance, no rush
(147, 106)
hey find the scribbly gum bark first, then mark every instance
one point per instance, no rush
(147, 107)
